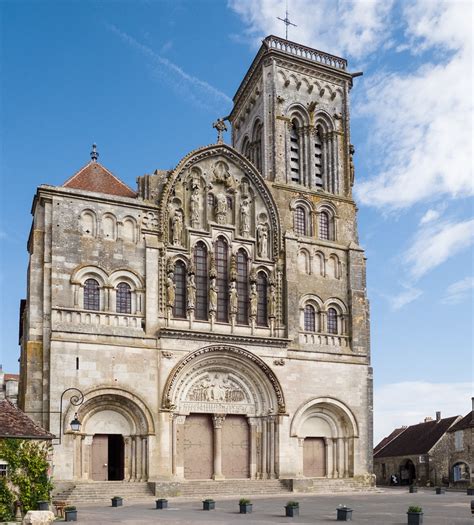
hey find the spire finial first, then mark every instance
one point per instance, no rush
(219, 124)
(286, 21)
(94, 153)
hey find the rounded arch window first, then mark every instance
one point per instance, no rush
(91, 295)
(309, 318)
(262, 299)
(179, 308)
(222, 267)
(300, 221)
(332, 321)
(123, 298)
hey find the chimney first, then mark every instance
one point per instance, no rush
(438, 416)
(472, 401)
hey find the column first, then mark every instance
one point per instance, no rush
(334, 458)
(326, 456)
(132, 458)
(264, 471)
(174, 442)
(138, 457)
(145, 459)
(253, 447)
(340, 457)
(218, 421)
(126, 459)
(271, 448)
(346, 457)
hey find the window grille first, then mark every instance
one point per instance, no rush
(332, 321)
(324, 226)
(179, 309)
(309, 318)
(262, 303)
(91, 295)
(123, 299)
(222, 266)
(3, 470)
(300, 221)
(242, 288)
(202, 282)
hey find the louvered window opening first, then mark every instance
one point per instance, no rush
(262, 303)
(202, 282)
(294, 154)
(91, 295)
(318, 160)
(242, 288)
(124, 299)
(179, 309)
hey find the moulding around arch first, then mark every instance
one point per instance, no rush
(224, 349)
(297, 420)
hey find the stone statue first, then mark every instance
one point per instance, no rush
(191, 292)
(245, 217)
(233, 298)
(221, 208)
(195, 207)
(262, 240)
(351, 163)
(253, 300)
(272, 302)
(177, 228)
(213, 296)
(170, 291)
(233, 268)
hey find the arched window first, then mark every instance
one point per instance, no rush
(242, 288)
(91, 295)
(295, 167)
(246, 148)
(202, 282)
(257, 146)
(262, 303)
(179, 309)
(222, 266)
(123, 301)
(309, 318)
(324, 227)
(318, 158)
(332, 321)
(299, 221)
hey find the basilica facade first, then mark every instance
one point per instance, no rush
(213, 323)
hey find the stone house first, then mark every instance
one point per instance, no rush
(416, 454)
(214, 320)
(461, 451)
(9, 386)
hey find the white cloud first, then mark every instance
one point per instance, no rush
(408, 403)
(407, 296)
(429, 216)
(435, 243)
(197, 91)
(459, 291)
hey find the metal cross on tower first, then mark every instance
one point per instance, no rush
(286, 21)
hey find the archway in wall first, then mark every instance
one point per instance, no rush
(407, 472)
(326, 429)
(461, 472)
(113, 442)
(225, 403)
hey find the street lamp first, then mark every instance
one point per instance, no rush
(76, 399)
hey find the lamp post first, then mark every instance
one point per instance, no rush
(76, 400)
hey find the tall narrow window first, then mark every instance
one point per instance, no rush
(179, 309)
(257, 145)
(242, 288)
(262, 304)
(318, 158)
(299, 221)
(222, 266)
(324, 225)
(295, 167)
(91, 295)
(309, 318)
(123, 299)
(332, 321)
(202, 282)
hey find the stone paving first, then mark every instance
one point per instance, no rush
(386, 507)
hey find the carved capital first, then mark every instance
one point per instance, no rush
(218, 420)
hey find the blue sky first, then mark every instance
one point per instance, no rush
(146, 79)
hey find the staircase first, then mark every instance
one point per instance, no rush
(228, 487)
(328, 485)
(84, 492)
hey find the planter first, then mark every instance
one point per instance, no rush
(70, 515)
(245, 508)
(291, 512)
(161, 503)
(440, 490)
(470, 491)
(117, 502)
(208, 505)
(413, 489)
(344, 514)
(415, 518)
(43, 505)
(472, 506)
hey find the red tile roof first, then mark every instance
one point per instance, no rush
(10, 377)
(385, 441)
(466, 422)
(416, 439)
(16, 424)
(94, 177)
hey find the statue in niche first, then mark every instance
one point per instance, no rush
(233, 268)
(253, 300)
(233, 298)
(212, 266)
(195, 207)
(244, 188)
(213, 296)
(262, 240)
(221, 208)
(245, 218)
(272, 301)
(170, 290)
(351, 162)
(221, 174)
(177, 228)
(191, 291)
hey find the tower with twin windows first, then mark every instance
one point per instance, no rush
(215, 319)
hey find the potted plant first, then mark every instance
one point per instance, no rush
(440, 490)
(245, 506)
(43, 505)
(70, 513)
(344, 513)
(415, 515)
(470, 490)
(413, 488)
(162, 503)
(208, 504)
(117, 501)
(292, 509)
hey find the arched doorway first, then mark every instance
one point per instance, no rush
(461, 472)
(225, 403)
(113, 442)
(407, 472)
(326, 430)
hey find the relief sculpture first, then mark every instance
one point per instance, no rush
(217, 388)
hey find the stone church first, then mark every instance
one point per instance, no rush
(214, 320)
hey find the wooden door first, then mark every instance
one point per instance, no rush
(100, 445)
(314, 458)
(235, 447)
(198, 447)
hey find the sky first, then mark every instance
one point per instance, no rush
(146, 79)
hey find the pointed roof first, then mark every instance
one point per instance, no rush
(16, 424)
(466, 422)
(94, 177)
(386, 440)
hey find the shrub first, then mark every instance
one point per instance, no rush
(208, 500)
(292, 504)
(70, 507)
(415, 508)
(244, 501)
(7, 500)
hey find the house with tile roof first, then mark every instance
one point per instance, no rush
(461, 451)
(416, 454)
